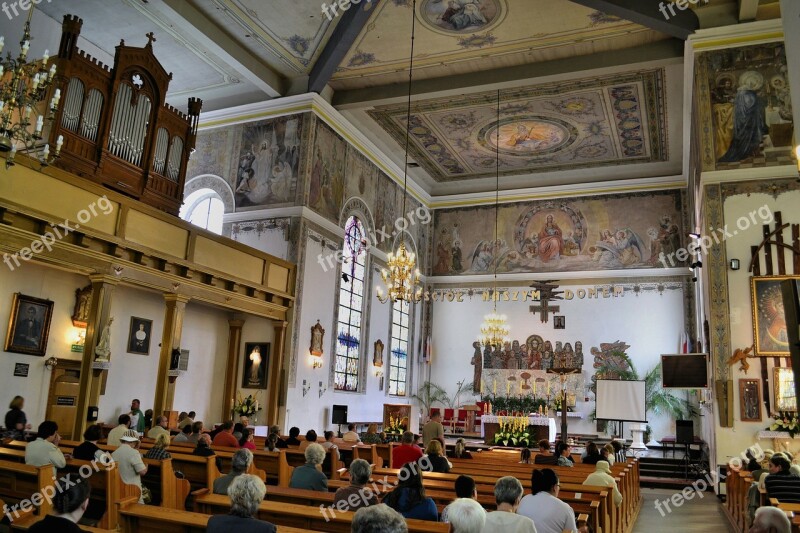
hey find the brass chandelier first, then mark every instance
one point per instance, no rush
(402, 276)
(494, 330)
(23, 88)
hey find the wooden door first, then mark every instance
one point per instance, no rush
(62, 401)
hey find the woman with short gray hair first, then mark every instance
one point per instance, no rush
(240, 463)
(357, 495)
(310, 476)
(507, 494)
(246, 493)
(466, 516)
(378, 519)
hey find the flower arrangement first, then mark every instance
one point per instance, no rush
(513, 431)
(397, 425)
(246, 406)
(785, 421)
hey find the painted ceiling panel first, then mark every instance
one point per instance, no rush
(593, 122)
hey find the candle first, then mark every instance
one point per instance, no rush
(39, 124)
(35, 81)
(481, 386)
(27, 112)
(25, 46)
(59, 142)
(52, 70)
(57, 96)
(548, 389)
(534, 387)
(46, 56)
(46, 151)
(494, 386)
(508, 388)
(2, 42)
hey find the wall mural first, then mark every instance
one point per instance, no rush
(534, 353)
(613, 120)
(268, 163)
(599, 233)
(326, 190)
(745, 91)
(362, 177)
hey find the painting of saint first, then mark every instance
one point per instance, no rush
(326, 190)
(256, 359)
(749, 120)
(769, 321)
(722, 98)
(459, 16)
(551, 243)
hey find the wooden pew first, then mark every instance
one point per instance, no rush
(22, 488)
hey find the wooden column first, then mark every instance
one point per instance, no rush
(275, 365)
(232, 365)
(170, 339)
(91, 378)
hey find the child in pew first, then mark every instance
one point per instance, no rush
(69, 504)
(246, 493)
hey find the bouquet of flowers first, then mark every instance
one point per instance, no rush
(785, 421)
(246, 406)
(397, 425)
(513, 430)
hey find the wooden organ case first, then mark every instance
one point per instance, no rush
(118, 131)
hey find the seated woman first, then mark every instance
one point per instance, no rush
(544, 457)
(408, 497)
(310, 476)
(549, 514)
(371, 436)
(247, 440)
(88, 449)
(311, 438)
(525, 456)
(592, 455)
(246, 493)
(69, 504)
(563, 451)
(460, 451)
(159, 449)
(434, 461)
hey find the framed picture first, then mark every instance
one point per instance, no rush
(28, 325)
(377, 357)
(769, 323)
(559, 322)
(139, 335)
(256, 362)
(317, 338)
(750, 400)
(783, 386)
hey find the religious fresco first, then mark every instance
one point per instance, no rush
(362, 178)
(745, 93)
(326, 187)
(597, 233)
(613, 358)
(212, 154)
(461, 16)
(612, 120)
(268, 162)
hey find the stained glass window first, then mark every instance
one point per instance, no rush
(398, 360)
(351, 305)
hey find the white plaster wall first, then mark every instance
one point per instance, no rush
(270, 241)
(312, 411)
(41, 282)
(733, 441)
(650, 323)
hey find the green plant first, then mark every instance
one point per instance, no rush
(430, 393)
(513, 431)
(786, 422)
(511, 404)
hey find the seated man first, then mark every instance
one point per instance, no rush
(159, 428)
(240, 464)
(780, 483)
(465, 488)
(225, 436)
(507, 494)
(293, 434)
(246, 492)
(44, 450)
(544, 457)
(203, 449)
(197, 430)
(360, 472)
(407, 452)
(115, 434)
(129, 461)
(279, 442)
(378, 519)
(183, 436)
(70, 501)
(351, 435)
(311, 438)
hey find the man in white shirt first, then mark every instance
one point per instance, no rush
(507, 494)
(116, 434)
(351, 435)
(44, 450)
(159, 428)
(549, 514)
(129, 460)
(329, 445)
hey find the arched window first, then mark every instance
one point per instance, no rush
(398, 358)
(204, 208)
(351, 305)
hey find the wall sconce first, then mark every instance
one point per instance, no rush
(306, 387)
(378, 372)
(51, 363)
(734, 264)
(321, 390)
(315, 360)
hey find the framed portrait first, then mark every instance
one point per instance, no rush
(317, 338)
(750, 400)
(377, 356)
(559, 322)
(256, 362)
(28, 325)
(769, 322)
(139, 335)
(783, 386)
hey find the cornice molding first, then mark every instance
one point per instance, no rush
(749, 33)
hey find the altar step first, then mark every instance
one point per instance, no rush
(668, 473)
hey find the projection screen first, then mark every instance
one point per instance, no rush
(621, 400)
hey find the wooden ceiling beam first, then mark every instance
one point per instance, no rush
(661, 15)
(350, 24)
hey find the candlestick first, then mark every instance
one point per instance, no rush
(25, 46)
(494, 386)
(46, 151)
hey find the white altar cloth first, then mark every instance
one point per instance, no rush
(532, 420)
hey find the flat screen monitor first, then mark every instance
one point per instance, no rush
(684, 371)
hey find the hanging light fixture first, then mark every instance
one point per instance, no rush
(494, 330)
(402, 276)
(22, 90)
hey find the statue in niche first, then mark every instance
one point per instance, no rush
(102, 351)
(477, 362)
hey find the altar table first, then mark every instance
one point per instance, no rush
(541, 427)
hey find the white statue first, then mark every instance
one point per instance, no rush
(103, 349)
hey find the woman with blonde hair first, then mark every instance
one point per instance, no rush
(159, 449)
(433, 460)
(460, 450)
(372, 436)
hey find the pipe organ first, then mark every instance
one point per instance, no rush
(118, 130)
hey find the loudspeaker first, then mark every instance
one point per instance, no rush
(684, 432)
(339, 415)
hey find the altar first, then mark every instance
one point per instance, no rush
(782, 441)
(541, 427)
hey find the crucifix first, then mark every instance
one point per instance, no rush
(547, 292)
(151, 38)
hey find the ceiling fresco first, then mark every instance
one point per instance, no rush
(592, 122)
(457, 36)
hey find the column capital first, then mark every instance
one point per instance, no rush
(173, 297)
(236, 323)
(103, 278)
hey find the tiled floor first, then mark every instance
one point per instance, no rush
(698, 515)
